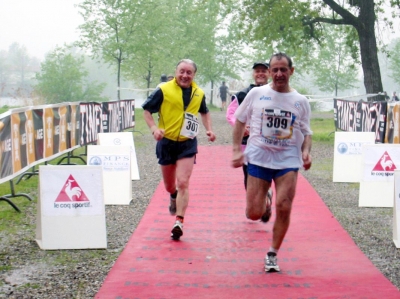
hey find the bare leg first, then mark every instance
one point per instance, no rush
(169, 177)
(285, 187)
(255, 197)
(184, 168)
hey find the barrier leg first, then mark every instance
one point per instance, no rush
(28, 174)
(10, 203)
(70, 155)
(13, 194)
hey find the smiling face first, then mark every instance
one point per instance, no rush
(280, 72)
(184, 74)
(260, 75)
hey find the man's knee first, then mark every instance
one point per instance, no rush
(283, 208)
(253, 214)
(182, 183)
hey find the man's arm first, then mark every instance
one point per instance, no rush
(157, 133)
(206, 119)
(305, 152)
(238, 131)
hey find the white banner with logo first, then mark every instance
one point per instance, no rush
(125, 139)
(347, 158)
(377, 184)
(396, 209)
(71, 212)
(116, 165)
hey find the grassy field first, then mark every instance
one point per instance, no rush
(323, 129)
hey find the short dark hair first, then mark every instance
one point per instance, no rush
(281, 55)
(188, 61)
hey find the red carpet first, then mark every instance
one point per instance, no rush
(221, 253)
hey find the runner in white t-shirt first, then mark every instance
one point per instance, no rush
(279, 144)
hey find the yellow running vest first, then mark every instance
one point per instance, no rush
(172, 110)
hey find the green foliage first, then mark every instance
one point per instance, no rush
(144, 39)
(63, 79)
(394, 62)
(295, 27)
(336, 67)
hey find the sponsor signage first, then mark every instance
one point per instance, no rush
(71, 212)
(116, 165)
(347, 161)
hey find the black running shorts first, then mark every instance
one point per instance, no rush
(169, 151)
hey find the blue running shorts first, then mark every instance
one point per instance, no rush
(267, 174)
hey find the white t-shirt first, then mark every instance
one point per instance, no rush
(278, 124)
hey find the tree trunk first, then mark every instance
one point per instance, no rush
(119, 78)
(212, 92)
(368, 49)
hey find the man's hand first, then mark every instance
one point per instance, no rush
(211, 136)
(306, 161)
(237, 159)
(247, 131)
(158, 134)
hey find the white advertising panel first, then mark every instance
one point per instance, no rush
(116, 164)
(396, 209)
(124, 139)
(377, 182)
(347, 158)
(71, 212)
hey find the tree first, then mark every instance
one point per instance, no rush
(4, 71)
(335, 69)
(297, 26)
(110, 28)
(63, 79)
(154, 51)
(201, 35)
(19, 59)
(394, 64)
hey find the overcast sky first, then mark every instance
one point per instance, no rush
(39, 25)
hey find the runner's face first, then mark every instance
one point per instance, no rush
(260, 75)
(280, 72)
(184, 74)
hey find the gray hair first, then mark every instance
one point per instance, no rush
(188, 61)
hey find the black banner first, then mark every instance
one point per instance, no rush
(91, 122)
(30, 136)
(351, 116)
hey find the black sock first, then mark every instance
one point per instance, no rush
(174, 195)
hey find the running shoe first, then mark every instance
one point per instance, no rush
(172, 206)
(267, 215)
(177, 230)
(271, 262)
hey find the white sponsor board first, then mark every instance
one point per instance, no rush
(396, 209)
(71, 212)
(125, 139)
(116, 164)
(347, 158)
(377, 182)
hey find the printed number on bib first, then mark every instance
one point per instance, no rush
(277, 124)
(190, 127)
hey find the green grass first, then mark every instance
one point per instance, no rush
(5, 108)
(323, 129)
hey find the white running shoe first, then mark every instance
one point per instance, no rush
(271, 262)
(177, 230)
